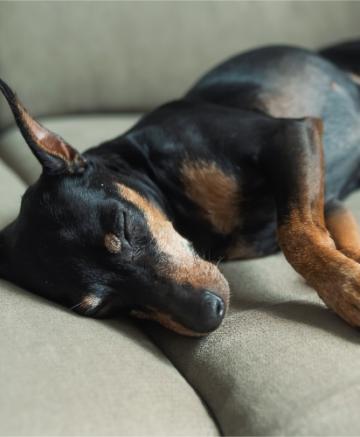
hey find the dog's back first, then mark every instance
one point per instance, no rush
(229, 167)
(288, 82)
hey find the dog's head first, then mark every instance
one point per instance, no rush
(100, 242)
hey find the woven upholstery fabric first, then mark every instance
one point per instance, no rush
(62, 374)
(281, 363)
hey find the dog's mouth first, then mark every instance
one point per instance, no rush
(204, 315)
(167, 321)
(197, 297)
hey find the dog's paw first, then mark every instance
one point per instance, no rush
(348, 305)
(344, 300)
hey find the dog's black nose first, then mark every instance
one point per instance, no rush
(211, 312)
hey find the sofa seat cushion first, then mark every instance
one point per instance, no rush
(138, 55)
(62, 374)
(281, 363)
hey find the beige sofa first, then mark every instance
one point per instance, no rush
(281, 363)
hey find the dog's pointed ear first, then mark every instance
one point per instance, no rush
(55, 155)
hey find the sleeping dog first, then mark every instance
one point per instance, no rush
(255, 157)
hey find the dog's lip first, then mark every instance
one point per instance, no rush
(168, 321)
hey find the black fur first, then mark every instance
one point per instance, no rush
(55, 246)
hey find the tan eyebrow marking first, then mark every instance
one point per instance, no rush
(158, 223)
(214, 192)
(182, 265)
(112, 243)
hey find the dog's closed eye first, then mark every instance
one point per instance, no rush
(115, 224)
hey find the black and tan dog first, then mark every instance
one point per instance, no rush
(257, 155)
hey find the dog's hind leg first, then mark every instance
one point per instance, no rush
(293, 163)
(343, 228)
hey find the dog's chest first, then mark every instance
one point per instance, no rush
(237, 223)
(215, 194)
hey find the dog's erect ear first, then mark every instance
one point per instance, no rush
(54, 154)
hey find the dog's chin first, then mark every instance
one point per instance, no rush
(167, 321)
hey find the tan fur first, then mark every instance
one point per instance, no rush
(180, 263)
(112, 243)
(344, 230)
(309, 248)
(335, 277)
(167, 321)
(49, 142)
(217, 194)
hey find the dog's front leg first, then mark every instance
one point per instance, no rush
(293, 163)
(343, 228)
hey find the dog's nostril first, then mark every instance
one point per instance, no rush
(213, 308)
(204, 313)
(220, 307)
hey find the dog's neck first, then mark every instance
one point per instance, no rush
(129, 162)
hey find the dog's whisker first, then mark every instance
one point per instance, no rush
(75, 306)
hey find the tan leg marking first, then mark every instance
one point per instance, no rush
(312, 252)
(309, 248)
(181, 264)
(345, 231)
(215, 193)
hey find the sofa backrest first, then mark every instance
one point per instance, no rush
(66, 57)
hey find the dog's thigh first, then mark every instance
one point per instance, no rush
(343, 228)
(293, 163)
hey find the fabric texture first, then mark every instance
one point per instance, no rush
(281, 363)
(62, 374)
(96, 56)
